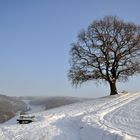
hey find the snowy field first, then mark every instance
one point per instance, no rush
(108, 118)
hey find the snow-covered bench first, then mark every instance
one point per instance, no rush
(25, 119)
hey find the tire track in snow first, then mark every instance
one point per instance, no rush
(107, 116)
(97, 118)
(126, 118)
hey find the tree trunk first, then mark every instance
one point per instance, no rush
(113, 89)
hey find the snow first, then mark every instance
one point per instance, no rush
(108, 118)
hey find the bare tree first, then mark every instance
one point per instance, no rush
(109, 50)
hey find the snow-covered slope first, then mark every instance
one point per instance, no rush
(109, 118)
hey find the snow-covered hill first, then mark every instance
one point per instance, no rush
(109, 118)
(56, 101)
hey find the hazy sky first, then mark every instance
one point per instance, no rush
(35, 38)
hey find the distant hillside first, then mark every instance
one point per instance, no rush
(9, 106)
(53, 102)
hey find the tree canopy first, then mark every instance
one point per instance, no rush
(108, 50)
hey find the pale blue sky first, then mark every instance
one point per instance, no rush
(35, 38)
